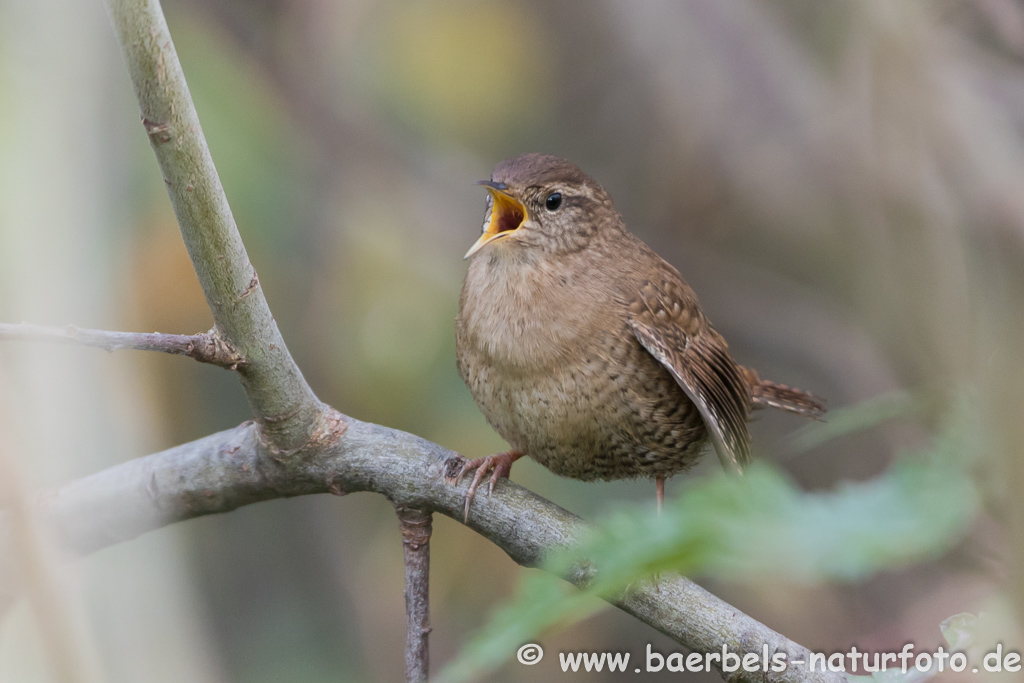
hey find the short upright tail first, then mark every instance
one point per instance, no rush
(771, 395)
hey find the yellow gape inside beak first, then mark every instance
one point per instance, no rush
(507, 215)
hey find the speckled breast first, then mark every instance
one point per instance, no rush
(609, 411)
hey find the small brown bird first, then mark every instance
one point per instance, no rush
(585, 349)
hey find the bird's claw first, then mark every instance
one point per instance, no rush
(499, 465)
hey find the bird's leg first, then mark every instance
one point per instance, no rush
(500, 465)
(659, 487)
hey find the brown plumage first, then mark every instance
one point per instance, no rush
(585, 349)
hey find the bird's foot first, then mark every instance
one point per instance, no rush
(499, 464)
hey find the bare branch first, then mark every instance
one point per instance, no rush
(206, 347)
(416, 529)
(227, 470)
(280, 397)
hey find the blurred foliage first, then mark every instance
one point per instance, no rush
(960, 630)
(260, 157)
(855, 418)
(754, 527)
(464, 70)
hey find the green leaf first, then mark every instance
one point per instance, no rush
(758, 526)
(541, 602)
(960, 630)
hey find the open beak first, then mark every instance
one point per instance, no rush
(507, 215)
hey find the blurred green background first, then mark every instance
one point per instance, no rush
(842, 183)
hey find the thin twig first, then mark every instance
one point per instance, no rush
(206, 347)
(416, 529)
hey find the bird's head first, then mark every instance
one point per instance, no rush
(540, 202)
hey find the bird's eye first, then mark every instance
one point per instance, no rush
(553, 201)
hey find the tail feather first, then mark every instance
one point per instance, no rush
(765, 394)
(771, 395)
